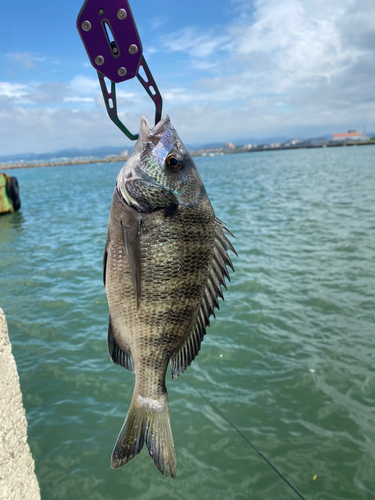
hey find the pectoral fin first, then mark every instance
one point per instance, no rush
(131, 236)
(105, 257)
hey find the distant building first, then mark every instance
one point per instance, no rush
(230, 145)
(352, 135)
(319, 141)
(290, 143)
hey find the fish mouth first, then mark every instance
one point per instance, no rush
(148, 134)
(132, 190)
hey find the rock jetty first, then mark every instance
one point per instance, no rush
(17, 477)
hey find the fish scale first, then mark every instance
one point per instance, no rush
(164, 264)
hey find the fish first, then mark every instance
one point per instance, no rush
(165, 261)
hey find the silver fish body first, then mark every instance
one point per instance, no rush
(164, 263)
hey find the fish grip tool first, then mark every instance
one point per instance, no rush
(111, 39)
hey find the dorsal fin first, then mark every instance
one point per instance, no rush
(216, 277)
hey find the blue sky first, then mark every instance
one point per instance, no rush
(227, 69)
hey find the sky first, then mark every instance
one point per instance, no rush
(227, 69)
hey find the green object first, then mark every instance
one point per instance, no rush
(6, 203)
(111, 105)
(111, 101)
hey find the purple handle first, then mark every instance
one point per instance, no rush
(110, 37)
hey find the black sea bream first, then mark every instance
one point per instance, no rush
(164, 263)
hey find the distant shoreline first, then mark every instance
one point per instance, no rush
(81, 161)
(116, 159)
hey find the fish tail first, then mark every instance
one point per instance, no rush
(147, 422)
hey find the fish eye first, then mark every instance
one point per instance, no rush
(174, 163)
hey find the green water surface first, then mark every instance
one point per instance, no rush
(290, 358)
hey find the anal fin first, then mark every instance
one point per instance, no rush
(119, 356)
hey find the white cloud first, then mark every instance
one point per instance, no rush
(126, 95)
(298, 61)
(157, 22)
(208, 121)
(194, 42)
(42, 129)
(82, 85)
(300, 46)
(176, 96)
(8, 89)
(24, 60)
(282, 67)
(78, 99)
(39, 130)
(79, 89)
(288, 43)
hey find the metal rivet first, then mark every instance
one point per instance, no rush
(121, 14)
(86, 26)
(122, 71)
(101, 12)
(114, 48)
(133, 49)
(99, 60)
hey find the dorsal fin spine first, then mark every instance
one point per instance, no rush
(211, 288)
(224, 240)
(209, 302)
(216, 284)
(204, 319)
(205, 308)
(221, 268)
(197, 344)
(215, 279)
(223, 254)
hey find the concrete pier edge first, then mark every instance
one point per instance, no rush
(17, 476)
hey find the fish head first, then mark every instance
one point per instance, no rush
(160, 172)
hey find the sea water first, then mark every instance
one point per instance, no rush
(289, 360)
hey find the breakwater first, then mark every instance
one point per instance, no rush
(61, 163)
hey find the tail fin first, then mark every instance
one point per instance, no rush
(147, 422)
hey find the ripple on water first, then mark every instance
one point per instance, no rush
(289, 359)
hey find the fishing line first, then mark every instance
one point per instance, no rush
(248, 441)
